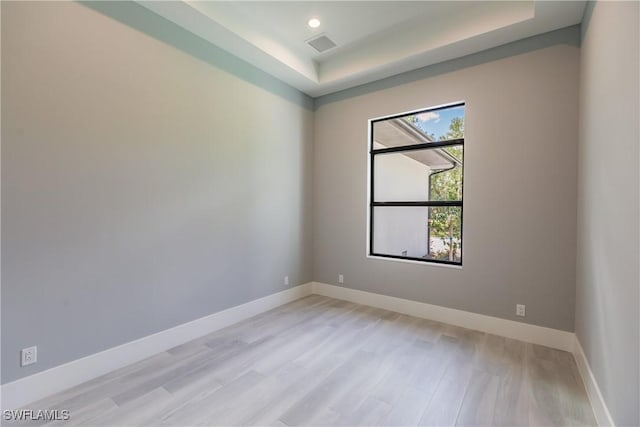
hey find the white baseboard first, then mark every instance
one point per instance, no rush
(600, 410)
(555, 338)
(42, 384)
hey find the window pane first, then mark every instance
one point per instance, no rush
(400, 177)
(445, 233)
(400, 231)
(419, 128)
(418, 232)
(404, 176)
(446, 184)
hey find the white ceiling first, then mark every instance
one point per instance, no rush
(375, 39)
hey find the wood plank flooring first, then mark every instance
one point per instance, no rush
(325, 362)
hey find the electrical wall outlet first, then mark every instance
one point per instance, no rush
(286, 280)
(340, 278)
(28, 356)
(520, 310)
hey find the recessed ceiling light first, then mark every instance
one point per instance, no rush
(313, 23)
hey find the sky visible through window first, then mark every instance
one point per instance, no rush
(437, 123)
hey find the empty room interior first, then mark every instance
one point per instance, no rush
(320, 213)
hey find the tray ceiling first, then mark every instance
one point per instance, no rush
(374, 39)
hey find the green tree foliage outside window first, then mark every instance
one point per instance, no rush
(445, 223)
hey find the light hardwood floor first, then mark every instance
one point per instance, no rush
(320, 361)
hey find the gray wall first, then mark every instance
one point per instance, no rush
(520, 182)
(607, 321)
(142, 185)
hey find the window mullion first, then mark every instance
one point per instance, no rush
(430, 203)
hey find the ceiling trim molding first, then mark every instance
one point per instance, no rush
(565, 36)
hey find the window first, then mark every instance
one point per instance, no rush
(415, 184)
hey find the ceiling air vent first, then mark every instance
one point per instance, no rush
(321, 43)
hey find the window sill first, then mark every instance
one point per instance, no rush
(410, 261)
